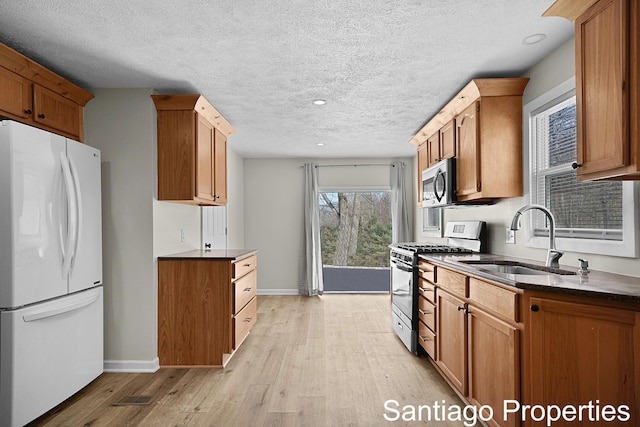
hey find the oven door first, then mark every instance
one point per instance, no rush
(402, 303)
(402, 287)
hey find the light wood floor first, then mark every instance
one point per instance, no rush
(322, 361)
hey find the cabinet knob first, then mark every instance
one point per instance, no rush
(41, 116)
(534, 308)
(575, 165)
(28, 111)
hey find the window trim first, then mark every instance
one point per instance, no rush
(628, 247)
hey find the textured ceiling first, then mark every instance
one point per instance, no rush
(384, 66)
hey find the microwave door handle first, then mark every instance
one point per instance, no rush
(439, 175)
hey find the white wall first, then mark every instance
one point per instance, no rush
(556, 68)
(136, 226)
(273, 201)
(121, 123)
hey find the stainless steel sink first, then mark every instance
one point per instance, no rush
(514, 267)
(510, 269)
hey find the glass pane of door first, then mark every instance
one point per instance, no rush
(355, 230)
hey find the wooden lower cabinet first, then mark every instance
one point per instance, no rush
(577, 352)
(494, 365)
(206, 308)
(452, 339)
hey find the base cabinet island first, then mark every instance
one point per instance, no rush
(206, 305)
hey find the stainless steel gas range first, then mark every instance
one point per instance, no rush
(463, 237)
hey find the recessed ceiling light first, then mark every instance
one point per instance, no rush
(320, 144)
(319, 102)
(534, 38)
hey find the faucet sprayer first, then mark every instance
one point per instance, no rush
(553, 255)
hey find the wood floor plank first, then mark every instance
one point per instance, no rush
(321, 361)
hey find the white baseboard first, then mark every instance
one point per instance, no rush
(132, 365)
(277, 291)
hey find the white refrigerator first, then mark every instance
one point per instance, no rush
(51, 305)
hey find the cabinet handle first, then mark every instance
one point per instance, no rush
(247, 289)
(247, 265)
(535, 307)
(423, 338)
(575, 165)
(463, 309)
(422, 289)
(423, 311)
(28, 111)
(41, 116)
(248, 319)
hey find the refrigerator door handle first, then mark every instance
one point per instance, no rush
(78, 211)
(71, 215)
(76, 305)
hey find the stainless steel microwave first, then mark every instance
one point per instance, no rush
(439, 184)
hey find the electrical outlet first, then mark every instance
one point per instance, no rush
(182, 235)
(511, 236)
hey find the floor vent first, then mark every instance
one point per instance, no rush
(134, 400)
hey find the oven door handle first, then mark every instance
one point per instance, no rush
(402, 266)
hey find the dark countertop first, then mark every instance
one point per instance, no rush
(596, 284)
(213, 254)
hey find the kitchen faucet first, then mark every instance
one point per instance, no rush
(553, 255)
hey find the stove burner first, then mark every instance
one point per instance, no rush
(418, 248)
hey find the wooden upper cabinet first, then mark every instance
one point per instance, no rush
(55, 111)
(607, 93)
(423, 163)
(448, 141)
(192, 150)
(220, 167)
(433, 148)
(31, 94)
(15, 94)
(481, 127)
(468, 159)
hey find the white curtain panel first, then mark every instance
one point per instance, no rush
(400, 229)
(313, 263)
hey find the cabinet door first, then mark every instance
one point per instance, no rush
(494, 368)
(220, 168)
(423, 163)
(602, 82)
(15, 94)
(579, 353)
(452, 339)
(204, 160)
(433, 148)
(55, 111)
(468, 156)
(448, 141)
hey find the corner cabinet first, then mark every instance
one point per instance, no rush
(481, 127)
(192, 150)
(33, 95)
(607, 86)
(206, 306)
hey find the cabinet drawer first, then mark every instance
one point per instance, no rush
(427, 339)
(427, 313)
(427, 270)
(455, 283)
(495, 298)
(427, 290)
(244, 289)
(245, 265)
(243, 322)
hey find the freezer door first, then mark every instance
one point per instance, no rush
(48, 352)
(86, 252)
(30, 215)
